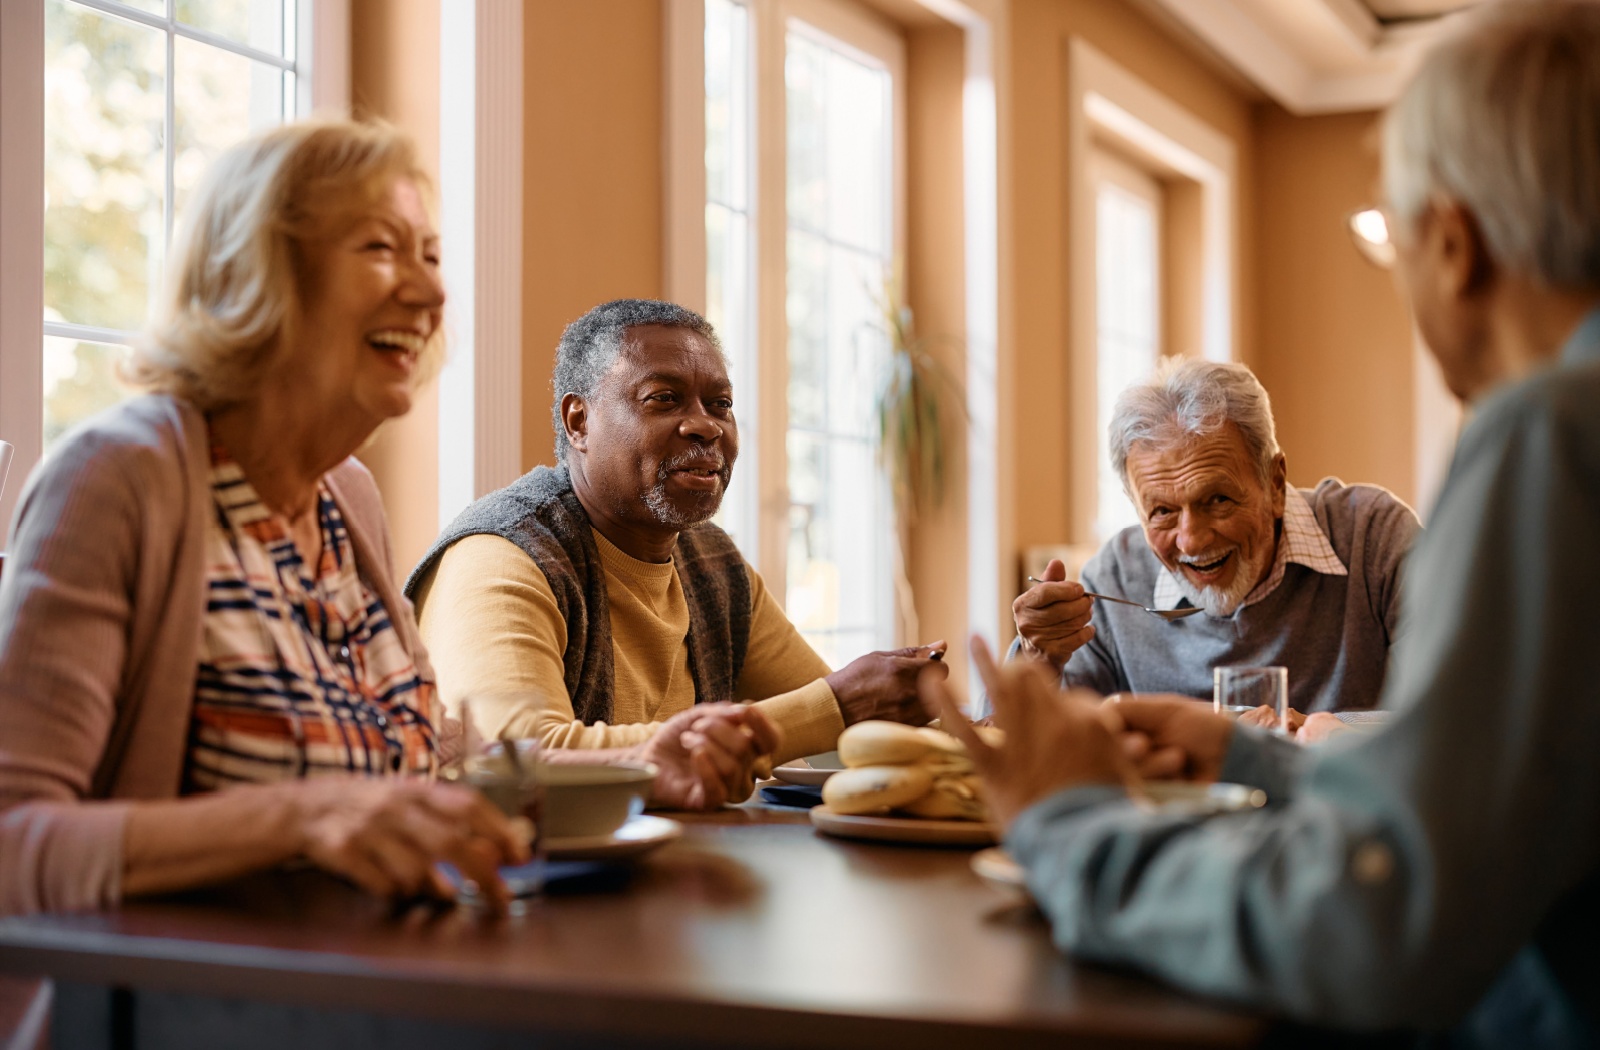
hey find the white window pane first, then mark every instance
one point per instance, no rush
(858, 154)
(220, 98)
(728, 97)
(728, 291)
(256, 23)
(840, 149)
(805, 77)
(807, 313)
(1127, 316)
(857, 345)
(104, 179)
(80, 379)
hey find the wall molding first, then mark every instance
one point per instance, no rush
(1338, 59)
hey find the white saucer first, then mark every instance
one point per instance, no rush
(640, 834)
(812, 771)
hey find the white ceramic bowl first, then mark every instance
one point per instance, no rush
(589, 801)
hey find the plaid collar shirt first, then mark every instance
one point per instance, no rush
(1302, 542)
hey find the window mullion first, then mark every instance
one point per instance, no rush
(169, 132)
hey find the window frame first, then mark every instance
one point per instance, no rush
(322, 69)
(763, 411)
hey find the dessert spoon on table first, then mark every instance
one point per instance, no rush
(1165, 614)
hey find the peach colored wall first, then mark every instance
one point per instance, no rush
(1040, 32)
(1333, 338)
(592, 213)
(394, 74)
(936, 292)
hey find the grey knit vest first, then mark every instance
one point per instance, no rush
(541, 514)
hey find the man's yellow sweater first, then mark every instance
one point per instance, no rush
(495, 634)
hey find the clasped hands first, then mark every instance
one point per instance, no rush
(1056, 740)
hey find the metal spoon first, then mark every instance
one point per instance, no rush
(1165, 614)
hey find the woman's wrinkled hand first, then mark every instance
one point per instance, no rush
(386, 836)
(709, 755)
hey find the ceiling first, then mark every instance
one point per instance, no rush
(1318, 56)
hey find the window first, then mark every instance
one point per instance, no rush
(840, 261)
(138, 97)
(799, 256)
(1127, 203)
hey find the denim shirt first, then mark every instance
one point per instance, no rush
(1441, 874)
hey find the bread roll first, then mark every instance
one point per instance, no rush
(884, 744)
(875, 789)
(952, 798)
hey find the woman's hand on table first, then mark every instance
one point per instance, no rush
(709, 755)
(386, 836)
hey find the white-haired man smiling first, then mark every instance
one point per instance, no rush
(1308, 579)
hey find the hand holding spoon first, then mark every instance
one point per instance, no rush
(1165, 614)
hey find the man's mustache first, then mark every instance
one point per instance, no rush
(694, 459)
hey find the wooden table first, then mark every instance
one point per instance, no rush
(752, 930)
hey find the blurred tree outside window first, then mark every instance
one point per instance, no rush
(139, 96)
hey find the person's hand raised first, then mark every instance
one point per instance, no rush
(884, 685)
(386, 836)
(709, 755)
(1053, 740)
(1053, 616)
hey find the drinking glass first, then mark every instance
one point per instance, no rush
(1240, 689)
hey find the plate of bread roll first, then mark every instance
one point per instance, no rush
(905, 784)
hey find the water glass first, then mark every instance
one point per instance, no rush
(1240, 689)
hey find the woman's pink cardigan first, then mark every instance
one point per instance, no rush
(101, 605)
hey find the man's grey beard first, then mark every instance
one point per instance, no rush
(1218, 601)
(676, 515)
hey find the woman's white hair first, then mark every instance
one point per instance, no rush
(1503, 117)
(233, 292)
(1188, 398)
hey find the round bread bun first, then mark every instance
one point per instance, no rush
(875, 789)
(885, 744)
(952, 798)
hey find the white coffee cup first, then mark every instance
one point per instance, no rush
(591, 801)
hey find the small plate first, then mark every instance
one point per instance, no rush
(905, 829)
(812, 771)
(640, 834)
(1176, 796)
(995, 866)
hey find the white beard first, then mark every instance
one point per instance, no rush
(1223, 602)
